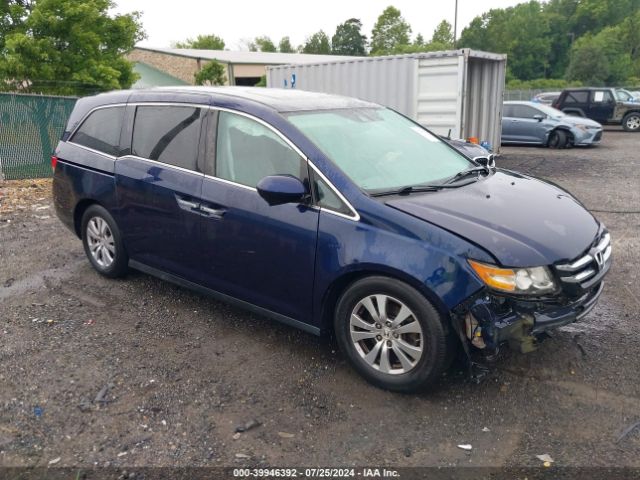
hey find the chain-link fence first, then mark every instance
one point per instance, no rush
(30, 126)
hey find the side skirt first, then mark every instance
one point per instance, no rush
(223, 297)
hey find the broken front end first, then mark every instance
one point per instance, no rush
(508, 310)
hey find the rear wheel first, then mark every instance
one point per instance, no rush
(631, 122)
(557, 139)
(102, 242)
(392, 335)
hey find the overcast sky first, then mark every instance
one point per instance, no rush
(235, 20)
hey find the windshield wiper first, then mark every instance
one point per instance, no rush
(419, 188)
(467, 172)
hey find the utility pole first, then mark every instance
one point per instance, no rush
(455, 25)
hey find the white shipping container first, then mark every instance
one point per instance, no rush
(459, 91)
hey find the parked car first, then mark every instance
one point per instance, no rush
(471, 150)
(535, 123)
(546, 97)
(329, 214)
(604, 105)
(636, 95)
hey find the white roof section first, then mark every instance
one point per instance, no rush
(250, 58)
(463, 52)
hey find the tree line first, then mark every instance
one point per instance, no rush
(593, 42)
(549, 44)
(70, 47)
(391, 34)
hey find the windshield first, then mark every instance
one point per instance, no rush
(623, 95)
(379, 149)
(550, 111)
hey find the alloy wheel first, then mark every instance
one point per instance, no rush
(101, 242)
(386, 334)
(633, 122)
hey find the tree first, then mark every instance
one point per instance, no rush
(589, 63)
(522, 32)
(285, 46)
(389, 32)
(443, 35)
(203, 42)
(264, 44)
(213, 73)
(419, 41)
(348, 39)
(541, 37)
(317, 43)
(601, 59)
(12, 16)
(69, 48)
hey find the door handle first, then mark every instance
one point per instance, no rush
(187, 204)
(213, 212)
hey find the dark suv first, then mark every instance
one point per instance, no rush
(329, 214)
(604, 105)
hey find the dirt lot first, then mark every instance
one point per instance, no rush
(183, 370)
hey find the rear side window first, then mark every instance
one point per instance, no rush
(523, 111)
(577, 97)
(507, 111)
(101, 131)
(167, 134)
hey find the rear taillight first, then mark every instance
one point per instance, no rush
(54, 162)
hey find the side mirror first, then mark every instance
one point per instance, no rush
(281, 189)
(539, 117)
(486, 161)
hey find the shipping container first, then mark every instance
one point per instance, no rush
(458, 91)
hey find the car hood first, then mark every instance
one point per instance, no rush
(572, 120)
(522, 221)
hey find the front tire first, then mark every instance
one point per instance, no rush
(391, 334)
(103, 243)
(557, 139)
(631, 122)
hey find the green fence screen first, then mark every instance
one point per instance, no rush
(30, 127)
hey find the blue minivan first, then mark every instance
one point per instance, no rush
(329, 214)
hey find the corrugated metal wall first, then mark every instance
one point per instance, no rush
(389, 81)
(484, 92)
(459, 90)
(439, 100)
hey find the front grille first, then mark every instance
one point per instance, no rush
(588, 269)
(598, 136)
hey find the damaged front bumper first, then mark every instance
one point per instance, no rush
(488, 320)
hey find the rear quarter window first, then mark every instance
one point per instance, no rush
(101, 131)
(576, 97)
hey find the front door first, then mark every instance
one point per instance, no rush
(525, 128)
(602, 105)
(158, 187)
(258, 253)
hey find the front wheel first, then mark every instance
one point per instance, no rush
(391, 334)
(102, 242)
(631, 122)
(558, 139)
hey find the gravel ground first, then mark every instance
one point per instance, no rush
(138, 372)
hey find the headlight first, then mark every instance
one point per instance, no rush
(533, 280)
(582, 127)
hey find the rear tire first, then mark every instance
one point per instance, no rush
(391, 334)
(557, 139)
(103, 243)
(631, 122)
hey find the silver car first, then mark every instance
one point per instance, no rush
(535, 123)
